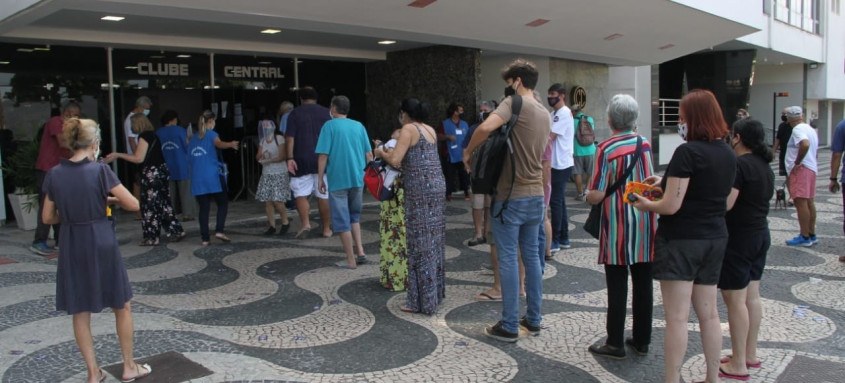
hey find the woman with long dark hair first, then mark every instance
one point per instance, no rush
(748, 243)
(425, 209)
(691, 233)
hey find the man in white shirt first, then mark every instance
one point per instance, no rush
(801, 167)
(562, 136)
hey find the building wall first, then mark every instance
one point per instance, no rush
(492, 85)
(438, 75)
(769, 79)
(595, 79)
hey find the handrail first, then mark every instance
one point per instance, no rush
(669, 111)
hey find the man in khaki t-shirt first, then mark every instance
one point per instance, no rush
(516, 220)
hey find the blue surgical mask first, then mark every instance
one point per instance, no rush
(146, 112)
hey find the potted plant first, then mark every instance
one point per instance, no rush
(24, 200)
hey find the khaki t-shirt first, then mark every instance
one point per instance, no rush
(529, 138)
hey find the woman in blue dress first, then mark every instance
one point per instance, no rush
(208, 183)
(91, 275)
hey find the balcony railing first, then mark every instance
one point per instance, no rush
(668, 112)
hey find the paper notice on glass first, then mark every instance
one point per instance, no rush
(224, 105)
(214, 108)
(238, 109)
(238, 121)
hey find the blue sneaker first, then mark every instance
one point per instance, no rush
(555, 247)
(565, 245)
(814, 239)
(800, 240)
(42, 248)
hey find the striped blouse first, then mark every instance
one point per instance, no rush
(627, 234)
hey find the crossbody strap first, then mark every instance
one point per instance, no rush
(637, 154)
(516, 108)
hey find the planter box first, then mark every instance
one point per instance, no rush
(25, 207)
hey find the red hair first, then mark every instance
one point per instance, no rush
(703, 116)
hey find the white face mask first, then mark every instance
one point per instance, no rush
(401, 120)
(682, 131)
(146, 112)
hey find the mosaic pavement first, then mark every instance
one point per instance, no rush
(272, 309)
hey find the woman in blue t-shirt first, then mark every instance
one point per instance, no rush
(174, 146)
(208, 181)
(691, 233)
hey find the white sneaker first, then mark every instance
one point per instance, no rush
(581, 197)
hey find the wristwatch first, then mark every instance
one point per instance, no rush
(834, 179)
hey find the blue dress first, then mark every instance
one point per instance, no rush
(425, 222)
(91, 274)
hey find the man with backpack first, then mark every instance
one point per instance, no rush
(584, 151)
(563, 135)
(517, 208)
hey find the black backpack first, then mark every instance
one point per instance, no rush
(585, 134)
(489, 158)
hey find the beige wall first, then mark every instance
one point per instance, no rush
(594, 78)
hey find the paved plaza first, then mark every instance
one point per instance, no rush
(276, 309)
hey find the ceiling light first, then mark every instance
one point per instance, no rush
(421, 3)
(42, 49)
(387, 42)
(537, 23)
(183, 56)
(112, 18)
(4, 62)
(667, 46)
(131, 67)
(265, 62)
(25, 50)
(613, 36)
(271, 31)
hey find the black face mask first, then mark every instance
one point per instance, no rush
(783, 117)
(509, 91)
(553, 100)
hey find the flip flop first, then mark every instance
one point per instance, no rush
(727, 359)
(140, 376)
(727, 375)
(484, 297)
(102, 376)
(222, 237)
(148, 242)
(407, 310)
(344, 265)
(303, 233)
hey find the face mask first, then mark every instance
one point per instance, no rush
(330, 115)
(209, 125)
(401, 120)
(682, 131)
(553, 100)
(783, 117)
(509, 91)
(146, 112)
(96, 153)
(268, 132)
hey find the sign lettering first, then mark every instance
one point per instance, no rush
(233, 71)
(162, 69)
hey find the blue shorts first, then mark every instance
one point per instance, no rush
(346, 208)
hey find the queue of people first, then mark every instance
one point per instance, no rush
(708, 232)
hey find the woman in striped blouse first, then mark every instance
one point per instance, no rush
(626, 235)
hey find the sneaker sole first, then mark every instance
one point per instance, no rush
(489, 334)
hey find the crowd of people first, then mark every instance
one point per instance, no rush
(708, 232)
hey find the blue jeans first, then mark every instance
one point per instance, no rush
(518, 228)
(345, 207)
(560, 220)
(541, 242)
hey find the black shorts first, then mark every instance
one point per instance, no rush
(745, 259)
(696, 260)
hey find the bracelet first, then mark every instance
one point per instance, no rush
(833, 178)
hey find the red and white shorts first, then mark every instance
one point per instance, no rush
(802, 183)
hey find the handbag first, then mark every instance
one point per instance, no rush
(593, 223)
(374, 179)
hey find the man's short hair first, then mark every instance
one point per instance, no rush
(286, 106)
(168, 116)
(308, 93)
(144, 102)
(453, 107)
(525, 70)
(558, 88)
(71, 104)
(341, 104)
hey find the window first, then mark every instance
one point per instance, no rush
(803, 14)
(835, 6)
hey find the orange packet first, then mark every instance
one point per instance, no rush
(651, 192)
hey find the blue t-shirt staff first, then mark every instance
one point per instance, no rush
(460, 130)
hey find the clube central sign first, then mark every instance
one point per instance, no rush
(164, 69)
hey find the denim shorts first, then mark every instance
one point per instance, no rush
(696, 260)
(345, 208)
